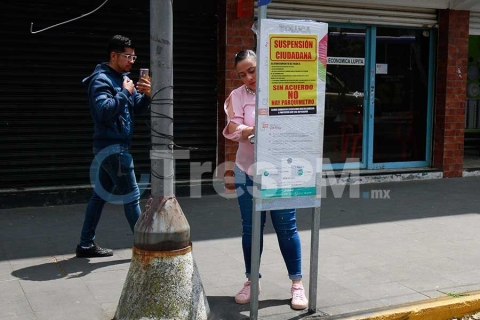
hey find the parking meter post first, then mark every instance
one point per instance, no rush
(255, 266)
(256, 219)
(314, 247)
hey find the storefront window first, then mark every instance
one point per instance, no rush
(344, 96)
(401, 95)
(472, 125)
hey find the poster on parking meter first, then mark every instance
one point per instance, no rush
(291, 103)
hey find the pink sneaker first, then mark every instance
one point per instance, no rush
(243, 296)
(299, 300)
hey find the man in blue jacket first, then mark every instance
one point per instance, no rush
(113, 100)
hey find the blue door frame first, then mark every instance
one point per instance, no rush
(369, 108)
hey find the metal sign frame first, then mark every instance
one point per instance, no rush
(256, 219)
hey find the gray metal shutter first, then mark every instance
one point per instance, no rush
(352, 12)
(45, 124)
(474, 23)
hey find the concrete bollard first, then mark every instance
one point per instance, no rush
(163, 280)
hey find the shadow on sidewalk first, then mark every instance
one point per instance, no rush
(216, 218)
(223, 308)
(68, 269)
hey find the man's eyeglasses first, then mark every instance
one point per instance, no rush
(128, 56)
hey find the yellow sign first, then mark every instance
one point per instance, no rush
(293, 74)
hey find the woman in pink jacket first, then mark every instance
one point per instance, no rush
(240, 110)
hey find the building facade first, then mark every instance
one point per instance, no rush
(396, 91)
(402, 84)
(45, 125)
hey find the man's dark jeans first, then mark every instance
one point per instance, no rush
(114, 172)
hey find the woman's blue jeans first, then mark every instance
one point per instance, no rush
(113, 172)
(284, 222)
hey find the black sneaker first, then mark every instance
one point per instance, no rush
(93, 252)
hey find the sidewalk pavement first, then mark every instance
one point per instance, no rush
(422, 243)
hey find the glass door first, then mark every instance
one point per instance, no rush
(402, 96)
(344, 97)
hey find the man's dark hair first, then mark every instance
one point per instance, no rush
(118, 43)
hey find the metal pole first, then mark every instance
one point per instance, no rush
(256, 219)
(314, 245)
(161, 66)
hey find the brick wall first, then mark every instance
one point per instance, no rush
(449, 124)
(235, 34)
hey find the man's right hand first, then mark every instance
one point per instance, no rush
(128, 84)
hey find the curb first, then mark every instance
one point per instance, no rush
(443, 308)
